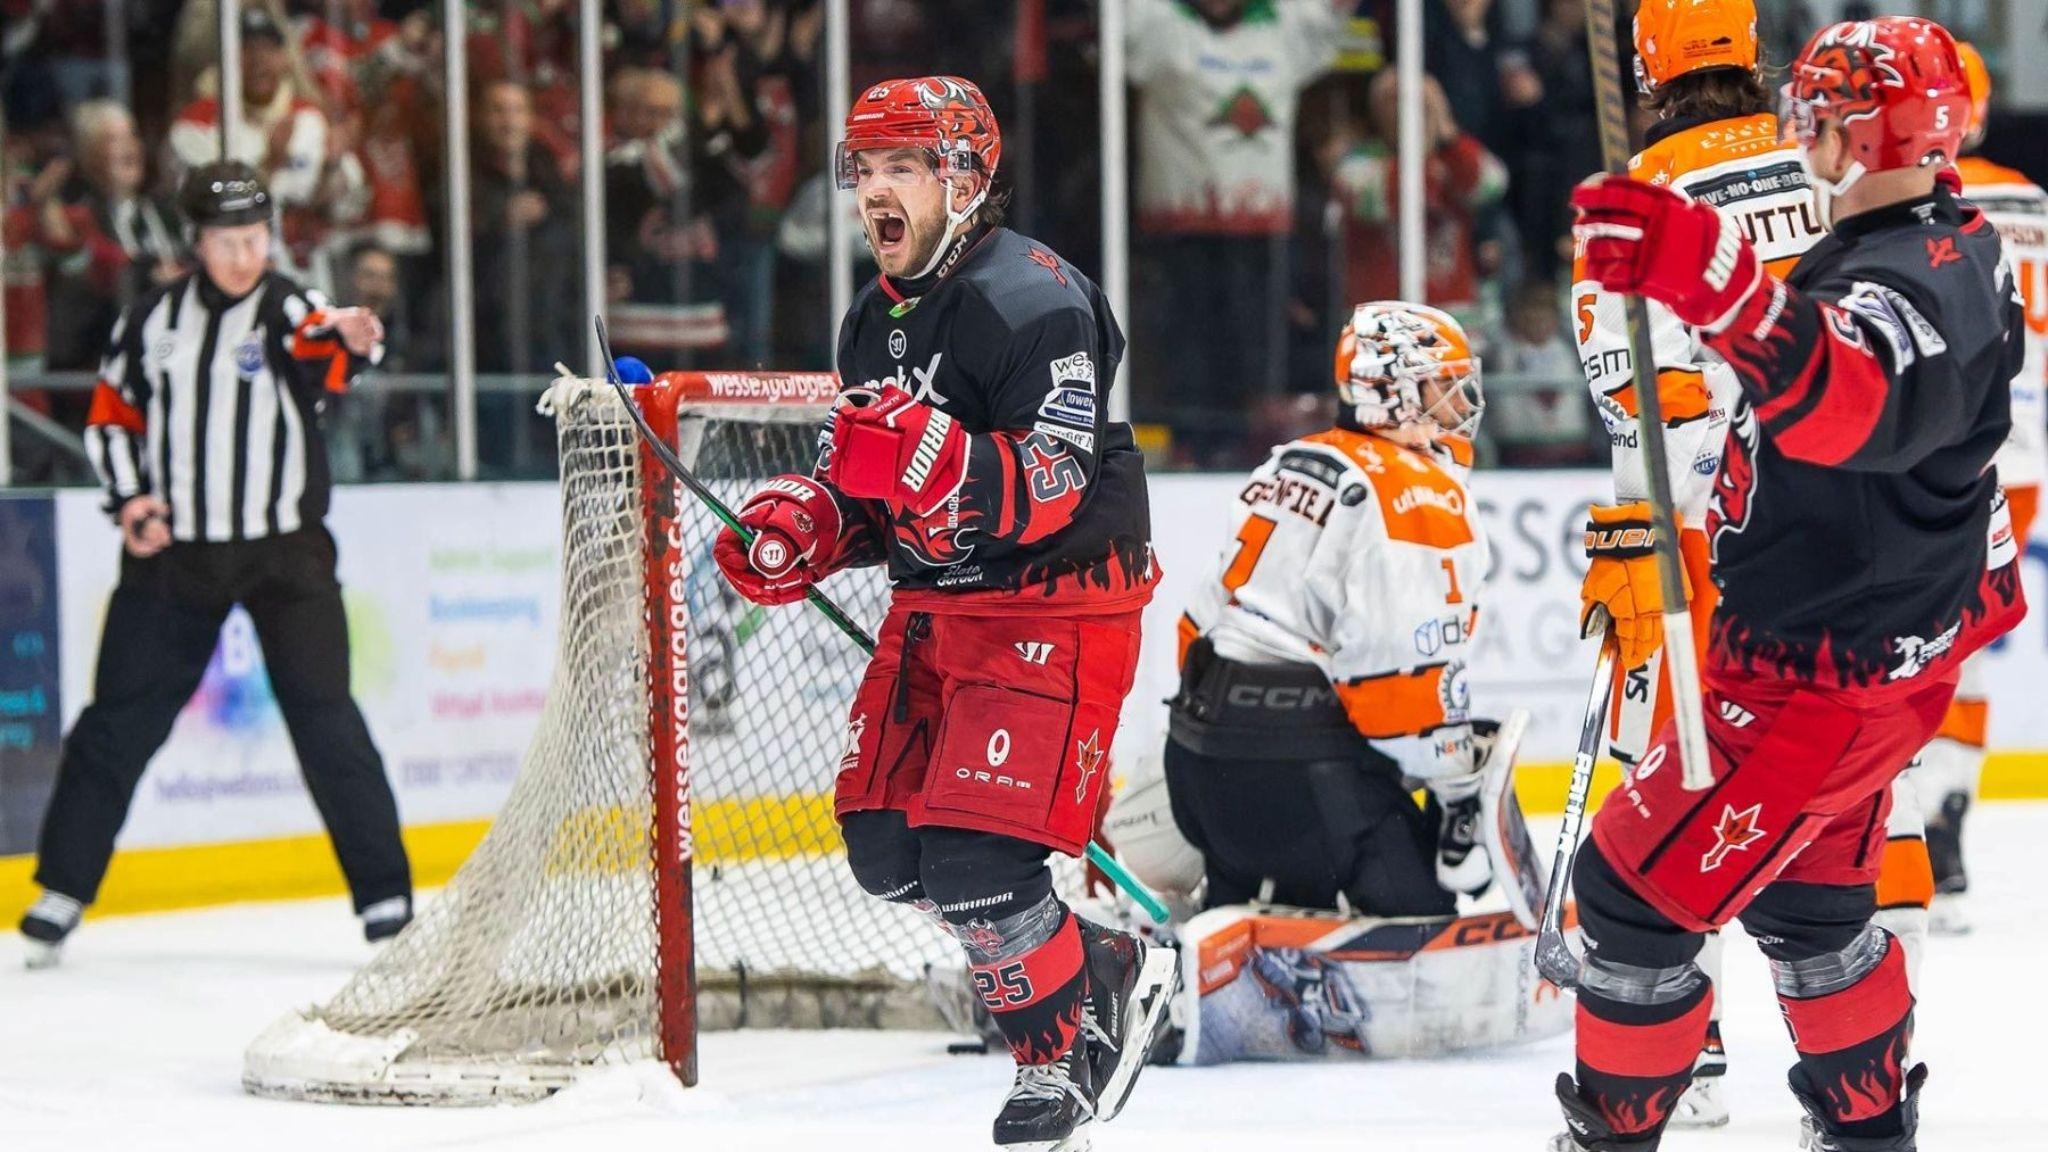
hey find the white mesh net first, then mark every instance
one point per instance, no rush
(538, 958)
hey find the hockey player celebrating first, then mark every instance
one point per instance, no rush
(1861, 555)
(1717, 142)
(1322, 666)
(969, 451)
(1946, 775)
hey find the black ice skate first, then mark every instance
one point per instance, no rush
(386, 918)
(1947, 915)
(1050, 1106)
(1586, 1131)
(47, 922)
(1461, 864)
(1130, 986)
(1815, 1135)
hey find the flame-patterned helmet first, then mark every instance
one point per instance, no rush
(1674, 37)
(943, 115)
(1401, 364)
(1894, 85)
(1979, 77)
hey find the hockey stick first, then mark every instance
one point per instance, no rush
(1097, 855)
(1554, 958)
(1681, 651)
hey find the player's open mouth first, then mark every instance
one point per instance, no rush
(889, 230)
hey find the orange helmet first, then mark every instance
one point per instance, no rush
(1400, 364)
(1980, 86)
(1674, 37)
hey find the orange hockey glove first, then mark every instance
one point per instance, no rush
(1623, 578)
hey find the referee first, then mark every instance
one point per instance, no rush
(205, 429)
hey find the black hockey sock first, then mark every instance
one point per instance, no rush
(1635, 1059)
(1032, 981)
(1852, 1030)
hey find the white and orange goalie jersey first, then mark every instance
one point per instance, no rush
(1363, 558)
(1738, 166)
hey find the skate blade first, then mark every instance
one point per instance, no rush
(37, 955)
(1158, 980)
(1078, 1140)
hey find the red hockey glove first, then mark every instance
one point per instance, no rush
(1650, 241)
(887, 446)
(796, 525)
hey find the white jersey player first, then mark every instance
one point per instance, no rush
(1342, 610)
(1947, 772)
(1322, 679)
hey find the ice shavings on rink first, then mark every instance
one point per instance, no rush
(135, 1045)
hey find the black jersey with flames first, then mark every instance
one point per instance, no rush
(1852, 519)
(1020, 348)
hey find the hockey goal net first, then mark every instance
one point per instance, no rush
(667, 859)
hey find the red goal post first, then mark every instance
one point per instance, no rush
(662, 497)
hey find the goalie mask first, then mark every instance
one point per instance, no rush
(1407, 365)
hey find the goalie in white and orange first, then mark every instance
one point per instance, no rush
(1323, 680)
(1337, 621)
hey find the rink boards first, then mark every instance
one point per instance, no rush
(452, 595)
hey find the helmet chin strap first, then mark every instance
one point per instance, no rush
(1826, 192)
(955, 224)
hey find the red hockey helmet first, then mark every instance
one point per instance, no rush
(943, 115)
(1894, 85)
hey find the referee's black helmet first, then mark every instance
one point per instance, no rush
(224, 193)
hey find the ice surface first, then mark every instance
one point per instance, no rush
(135, 1045)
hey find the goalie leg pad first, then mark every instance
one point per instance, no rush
(1270, 983)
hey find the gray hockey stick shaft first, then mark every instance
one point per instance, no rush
(1554, 958)
(1681, 648)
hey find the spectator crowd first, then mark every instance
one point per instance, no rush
(1265, 145)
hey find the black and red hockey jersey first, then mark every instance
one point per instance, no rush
(1020, 348)
(1850, 519)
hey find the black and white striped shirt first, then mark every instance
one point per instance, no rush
(213, 405)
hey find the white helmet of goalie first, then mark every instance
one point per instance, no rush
(1140, 824)
(1407, 368)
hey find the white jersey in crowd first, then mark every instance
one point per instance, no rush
(1216, 118)
(2018, 208)
(1364, 558)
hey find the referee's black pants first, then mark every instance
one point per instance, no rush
(161, 627)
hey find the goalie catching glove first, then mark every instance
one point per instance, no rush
(1700, 264)
(1622, 577)
(886, 445)
(796, 524)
